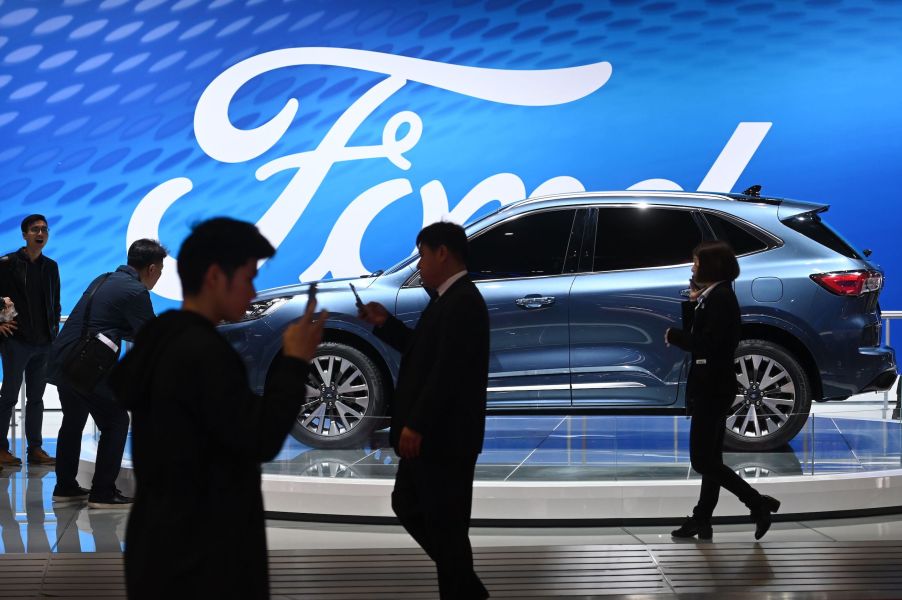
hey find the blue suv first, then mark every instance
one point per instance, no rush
(580, 289)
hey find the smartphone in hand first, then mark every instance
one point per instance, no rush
(311, 294)
(357, 301)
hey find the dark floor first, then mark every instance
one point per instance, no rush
(788, 571)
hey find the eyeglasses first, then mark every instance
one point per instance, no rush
(38, 230)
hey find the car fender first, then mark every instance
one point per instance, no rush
(344, 323)
(790, 324)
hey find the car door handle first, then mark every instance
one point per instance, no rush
(685, 293)
(535, 301)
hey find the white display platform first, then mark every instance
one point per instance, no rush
(847, 462)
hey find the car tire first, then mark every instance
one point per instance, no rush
(773, 398)
(345, 400)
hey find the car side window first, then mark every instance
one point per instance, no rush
(643, 237)
(742, 241)
(531, 245)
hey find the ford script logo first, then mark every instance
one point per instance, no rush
(340, 256)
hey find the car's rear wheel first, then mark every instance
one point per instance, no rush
(773, 398)
(345, 399)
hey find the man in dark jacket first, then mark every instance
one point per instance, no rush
(438, 409)
(119, 306)
(32, 282)
(199, 434)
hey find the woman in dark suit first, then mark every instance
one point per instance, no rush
(711, 334)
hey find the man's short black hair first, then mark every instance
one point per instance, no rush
(221, 241)
(716, 262)
(447, 234)
(144, 252)
(27, 221)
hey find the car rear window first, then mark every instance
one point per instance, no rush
(813, 227)
(742, 241)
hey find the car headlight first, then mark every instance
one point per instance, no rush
(261, 308)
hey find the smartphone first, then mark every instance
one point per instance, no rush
(311, 294)
(357, 300)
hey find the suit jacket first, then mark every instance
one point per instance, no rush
(441, 391)
(711, 332)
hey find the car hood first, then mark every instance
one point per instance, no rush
(325, 285)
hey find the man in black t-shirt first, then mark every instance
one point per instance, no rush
(31, 281)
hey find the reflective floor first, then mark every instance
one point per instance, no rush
(840, 438)
(30, 522)
(620, 448)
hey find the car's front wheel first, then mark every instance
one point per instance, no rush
(773, 398)
(345, 399)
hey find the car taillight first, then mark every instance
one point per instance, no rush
(850, 283)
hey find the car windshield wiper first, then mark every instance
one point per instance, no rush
(375, 273)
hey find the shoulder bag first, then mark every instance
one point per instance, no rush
(93, 356)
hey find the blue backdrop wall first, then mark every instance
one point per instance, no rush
(342, 126)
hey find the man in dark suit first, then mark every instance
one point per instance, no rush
(438, 409)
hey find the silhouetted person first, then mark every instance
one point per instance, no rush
(32, 282)
(198, 432)
(711, 333)
(438, 408)
(119, 307)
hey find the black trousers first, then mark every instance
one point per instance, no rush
(30, 360)
(432, 499)
(111, 420)
(706, 435)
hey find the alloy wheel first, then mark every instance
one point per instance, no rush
(338, 397)
(766, 397)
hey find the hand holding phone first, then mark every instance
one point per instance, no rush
(357, 301)
(311, 295)
(301, 338)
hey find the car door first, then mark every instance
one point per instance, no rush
(620, 310)
(524, 267)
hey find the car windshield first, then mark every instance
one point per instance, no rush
(466, 225)
(400, 265)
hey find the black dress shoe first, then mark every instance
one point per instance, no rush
(75, 494)
(761, 515)
(693, 526)
(115, 500)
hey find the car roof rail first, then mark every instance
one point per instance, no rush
(751, 194)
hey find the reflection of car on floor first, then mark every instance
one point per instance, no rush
(371, 463)
(580, 289)
(754, 465)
